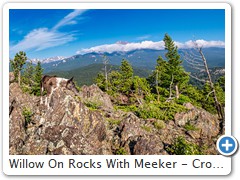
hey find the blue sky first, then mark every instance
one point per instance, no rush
(48, 33)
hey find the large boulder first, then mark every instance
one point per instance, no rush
(18, 101)
(149, 145)
(66, 127)
(206, 125)
(94, 94)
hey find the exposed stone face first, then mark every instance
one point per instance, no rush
(182, 118)
(206, 124)
(69, 127)
(94, 94)
(149, 145)
(11, 77)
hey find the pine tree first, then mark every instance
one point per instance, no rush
(208, 100)
(17, 65)
(37, 79)
(126, 69)
(115, 82)
(159, 78)
(27, 77)
(126, 72)
(141, 89)
(178, 77)
(100, 81)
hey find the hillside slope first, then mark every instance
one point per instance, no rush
(87, 123)
(86, 75)
(142, 58)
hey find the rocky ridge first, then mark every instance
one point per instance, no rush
(70, 126)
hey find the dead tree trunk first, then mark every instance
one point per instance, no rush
(217, 104)
(106, 71)
(177, 91)
(19, 78)
(106, 75)
(158, 95)
(170, 88)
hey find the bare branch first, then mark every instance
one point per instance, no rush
(201, 80)
(209, 95)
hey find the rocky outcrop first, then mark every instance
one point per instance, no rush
(67, 127)
(95, 95)
(206, 125)
(70, 127)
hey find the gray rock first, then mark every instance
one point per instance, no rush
(69, 127)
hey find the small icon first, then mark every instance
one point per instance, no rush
(227, 145)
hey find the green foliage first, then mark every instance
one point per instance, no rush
(27, 114)
(194, 94)
(141, 89)
(159, 124)
(221, 82)
(208, 102)
(126, 72)
(129, 108)
(183, 147)
(100, 81)
(159, 79)
(148, 98)
(27, 81)
(175, 69)
(17, 65)
(220, 93)
(146, 128)
(182, 99)
(93, 105)
(190, 127)
(126, 69)
(113, 122)
(168, 73)
(121, 151)
(37, 77)
(28, 75)
(149, 111)
(115, 81)
(161, 111)
(31, 79)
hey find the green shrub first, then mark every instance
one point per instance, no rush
(27, 114)
(190, 127)
(26, 89)
(146, 128)
(182, 99)
(159, 124)
(121, 151)
(92, 105)
(162, 111)
(149, 111)
(113, 122)
(183, 147)
(127, 108)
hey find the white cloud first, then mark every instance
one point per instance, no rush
(159, 45)
(203, 43)
(40, 39)
(68, 20)
(123, 47)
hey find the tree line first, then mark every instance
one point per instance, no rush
(26, 75)
(167, 86)
(159, 96)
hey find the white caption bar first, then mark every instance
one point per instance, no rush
(117, 165)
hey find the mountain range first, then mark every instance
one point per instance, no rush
(142, 58)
